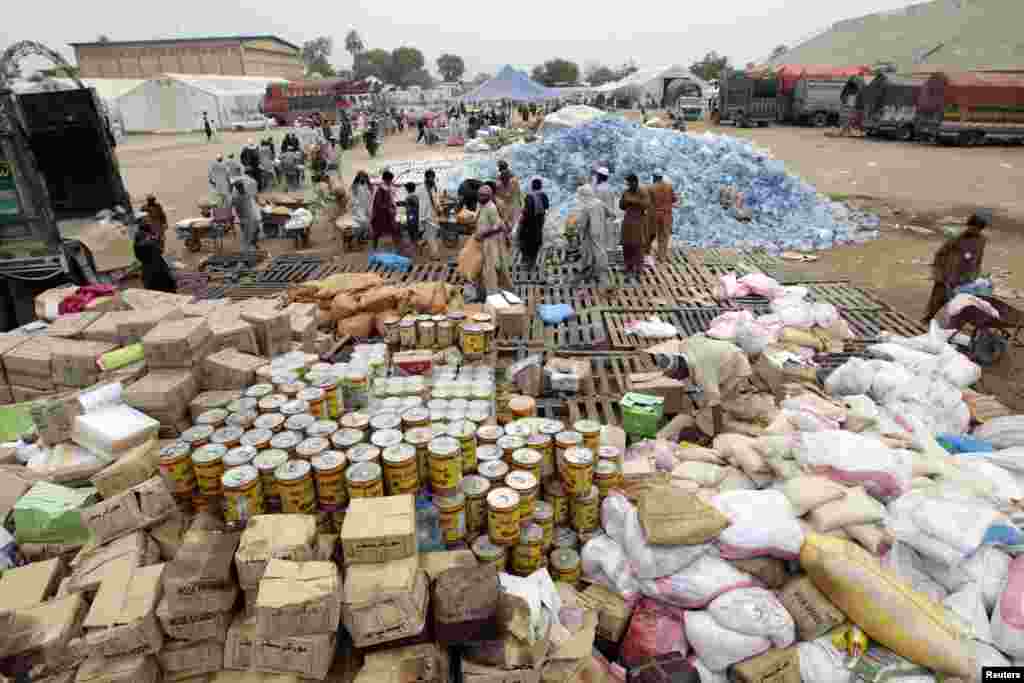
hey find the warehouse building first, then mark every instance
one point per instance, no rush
(261, 56)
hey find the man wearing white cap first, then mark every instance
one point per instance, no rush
(603, 191)
(663, 199)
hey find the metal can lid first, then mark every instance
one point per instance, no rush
(346, 438)
(385, 420)
(296, 407)
(535, 440)
(398, 454)
(587, 426)
(292, 470)
(564, 537)
(363, 452)
(329, 460)
(472, 328)
(444, 446)
(475, 486)
(481, 317)
(355, 420)
(259, 390)
(521, 480)
(270, 459)
(462, 429)
(569, 438)
(227, 435)
(485, 550)
(254, 437)
(273, 402)
(531, 534)
(427, 325)
(416, 415)
(299, 423)
(565, 559)
(407, 324)
(243, 404)
(551, 427)
(384, 438)
(450, 503)
(323, 428)
(502, 499)
(286, 440)
(363, 472)
(527, 457)
(312, 395)
(579, 456)
(520, 429)
(419, 435)
(209, 453)
(511, 442)
(243, 419)
(197, 433)
(237, 477)
(242, 455)
(174, 451)
(609, 453)
(456, 316)
(543, 511)
(214, 416)
(312, 446)
(270, 421)
(606, 468)
(487, 452)
(493, 469)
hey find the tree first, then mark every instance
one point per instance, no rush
(375, 62)
(779, 51)
(556, 71)
(420, 77)
(354, 44)
(598, 74)
(103, 38)
(61, 72)
(316, 56)
(451, 67)
(405, 61)
(481, 78)
(711, 67)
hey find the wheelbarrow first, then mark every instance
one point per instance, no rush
(990, 336)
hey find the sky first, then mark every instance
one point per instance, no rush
(522, 32)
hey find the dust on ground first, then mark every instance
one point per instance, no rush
(919, 191)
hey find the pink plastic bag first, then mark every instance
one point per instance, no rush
(725, 325)
(761, 284)
(655, 629)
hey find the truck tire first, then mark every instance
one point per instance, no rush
(820, 119)
(906, 133)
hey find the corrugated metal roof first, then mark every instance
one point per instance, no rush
(204, 39)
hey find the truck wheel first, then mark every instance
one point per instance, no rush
(820, 119)
(906, 133)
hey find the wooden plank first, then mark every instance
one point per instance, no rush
(601, 409)
(869, 324)
(845, 295)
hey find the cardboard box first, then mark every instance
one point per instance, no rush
(613, 612)
(47, 303)
(426, 663)
(199, 579)
(15, 480)
(567, 375)
(185, 659)
(135, 326)
(30, 584)
(435, 564)
(23, 394)
(513, 321)
(44, 630)
(379, 530)
(230, 369)
(298, 598)
(147, 299)
(112, 429)
(812, 611)
(142, 505)
(280, 536)
(385, 602)
(465, 605)
(229, 676)
(132, 669)
(169, 535)
(72, 325)
(74, 362)
(642, 413)
(67, 676)
(163, 393)
(132, 468)
(73, 656)
(95, 562)
(104, 328)
(307, 656)
(179, 343)
(204, 308)
(122, 619)
(273, 329)
(671, 391)
(231, 332)
(477, 673)
(6, 395)
(31, 363)
(193, 627)
(774, 666)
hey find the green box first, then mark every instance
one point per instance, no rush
(642, 413)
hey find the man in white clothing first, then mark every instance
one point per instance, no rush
(603, 191)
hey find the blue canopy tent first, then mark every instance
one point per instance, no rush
(513, 85)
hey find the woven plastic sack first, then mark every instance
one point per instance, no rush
(718, 647)
(1008, 615)
(851, 459)
(852, 378)
(908, 564)
(699, 583)
(605, 562)
(942, 522)
(754, 612)
(1003, 432)
(968, 605)
(763, 525)
(822, 662)
(654, 629)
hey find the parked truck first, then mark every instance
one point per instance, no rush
(746, 100)
(971, 108)
(817, 101)
(57, 170)
(686, 96)
(889, 104)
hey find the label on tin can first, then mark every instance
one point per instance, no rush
(401, 471)
(475, 488)
(331, 487)
(503, 516)
(585, 512)
(452, 518)
(243, 494)
(296, 488)
(365, 480)
(445, 465)
(176, 468)
(465, 433)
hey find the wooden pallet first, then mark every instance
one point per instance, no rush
(844, 295)
(585, 331)
(602, 409)
(870, 323)
(285, 269)
(795, 277)
(432, 272)
(671, 296)
(687, 321)
(577, 297)
(610, 373)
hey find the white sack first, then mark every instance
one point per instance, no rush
(718, 647)
(754, 612)
(699, 583)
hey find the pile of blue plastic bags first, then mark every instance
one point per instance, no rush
(785, 212)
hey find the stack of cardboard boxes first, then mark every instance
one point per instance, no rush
(273, 327)
(230, 369)
(165, 395)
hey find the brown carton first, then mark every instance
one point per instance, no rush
(298, 598)
(273, 330)
(185, 659)
(47, 303)
(132, 669)
(513, 321)
(426, 663)
(6, 395)
(478, 673)
(199, 579)
(774, 666)
(60, 677)
(202, 309)
(379, 530)
(74, 362)
(30, 584)
(671, 390)
(435, 564)
(229, 676)
(177, 343)
(148, 299)
(281, 536)
(91, 566)
(104, 328)
(24, 394)
(384, 602)
(466, 604)
(15, 480)
(169, 535)
(122, 619)
(230, 369)
(142, 505)
(33, 360)
(307, 656)
(132, 468)
(814, 614)
(671, 516)
(9, 342)
(76, 652)
(133, 327)
(164, 392)
(192, 627)
(71, 325)
(771, 572)
(613, 611)
(43, 630)
(231, 332)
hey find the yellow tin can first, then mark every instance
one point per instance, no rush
(309, 448)
(464, 432)
(266, 463)
(503, 516)
(316, 398)
(445, 466)
(554, 491)
(286, 441)
(364, 452)
(332, 396)
(527, 554)
(243, 495)
(344, 439)
(257, 438)
(355, 420)
(611, 453)
(606, 476)
(386, 438)
(295, 486)
(391, 333)
(401, 471)
(407, 333)
(420, 438)
(509, 444)
(474, 341)
(526, 485)
(494, 471)
(528, 460)
(488, 553)
(564, 441)
(544, 517)
(475, 488)
(585, 512)
(331, 487)
(577, 471)
(445, 334)
(414, 418)
(208, 463)
(489, 434)
(545, 445)
(427, 332)
(452, 518)
(565, 565)
(590, 430)
(176, 468)
(365, 480)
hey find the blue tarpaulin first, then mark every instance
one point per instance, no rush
(510, 84)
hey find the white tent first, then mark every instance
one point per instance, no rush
(649, 82)
(109, 90)
(176, 102)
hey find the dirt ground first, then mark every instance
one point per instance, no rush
(917, 191)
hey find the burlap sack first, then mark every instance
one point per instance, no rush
(671, 516)
(343, 305)
(471, 260)
(774, 666)
(380, 299)
(360, 325)
(378, 321)
(429, 297)
(813, 613)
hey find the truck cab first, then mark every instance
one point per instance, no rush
(57, 170)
